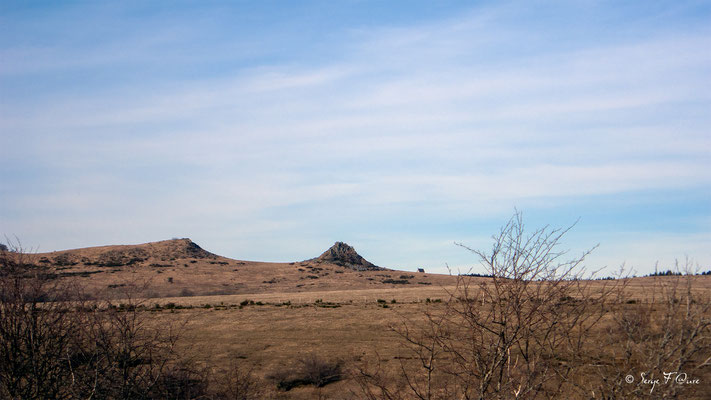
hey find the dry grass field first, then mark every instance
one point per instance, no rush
(257, 330)
(270, 338)
(348, 325)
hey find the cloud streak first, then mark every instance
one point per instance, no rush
(465, 116)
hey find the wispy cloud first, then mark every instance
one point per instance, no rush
(462, 117)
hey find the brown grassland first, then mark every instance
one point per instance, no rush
(196, 325)
(273, 337)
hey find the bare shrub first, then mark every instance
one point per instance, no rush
(36, 329)
(375, 383)
(665, 337)
(184, 380)
(126, 359)
(54, 344)
(309, 370)
(537, 329)
(320, 372)
(241, 384)
(518, 334)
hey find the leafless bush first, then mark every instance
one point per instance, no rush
(184, 380)
(36, 330)
(240, 384)
(310, 370)
(125, 359)
(55, 345)
(537, 329)
(663, 337)
(320, 372)
(375, 382)
(518, 334)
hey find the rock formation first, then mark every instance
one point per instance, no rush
(344, 255)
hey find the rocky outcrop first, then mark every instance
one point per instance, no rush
(345, 256)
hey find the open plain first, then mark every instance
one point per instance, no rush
(266, 319)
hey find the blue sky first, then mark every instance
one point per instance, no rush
(269, 130)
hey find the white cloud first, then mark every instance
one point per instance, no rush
(469, 115)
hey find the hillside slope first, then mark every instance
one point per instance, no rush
(180, 267)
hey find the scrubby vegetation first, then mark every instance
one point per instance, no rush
(309, 370)
(396, 281)
(538, 329)
(56, 344)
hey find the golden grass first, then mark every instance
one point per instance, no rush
(270, 337)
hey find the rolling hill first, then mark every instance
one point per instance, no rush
(180, 267)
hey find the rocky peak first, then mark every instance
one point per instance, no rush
(344, 255)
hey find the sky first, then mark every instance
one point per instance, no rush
(269, 130)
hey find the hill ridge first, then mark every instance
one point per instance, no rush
(181, 268)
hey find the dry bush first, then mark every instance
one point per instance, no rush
(183, 380)
(667, 332)
(537, 329)
(123, 358)
(309, 370)
(55, 345)
(374, 381)
(518, 334)
(36, 330)
(320, 372)
(240, 384)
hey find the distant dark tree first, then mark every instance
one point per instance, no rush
(668, 272)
